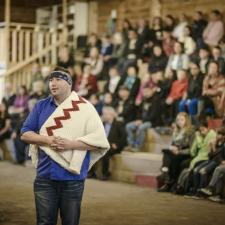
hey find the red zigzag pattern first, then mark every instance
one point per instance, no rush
(65, 117)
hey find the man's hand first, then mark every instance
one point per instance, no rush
(62, 144)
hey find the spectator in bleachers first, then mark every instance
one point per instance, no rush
(126, 27)
(92, 42)
(169, 23)
(96, 62)
(112, 85)
(119, 45)
(97, 103)
(147, 49)
(191, 98)
(177, 92)
(198, 27)
(5, 122)
(106, 47)
(158, 60)
(20, 146)
(177, 152)
(157, 27)
(124, 106)
(108, 99)
(214, 31)
(106, 54)
(213, 89)
(143, 30)
(66, 59)
(20, 105)
(203, 172)
(188, 41)
(38, 90)
(215, 189)
(146, 116)
(149, 81)
(217, 57)
(132, 50)
(199, 153)
(178, 60)
(86, 83)
(203, 59)
(131, 81)
(178, 31)
(116, 135)
(168, 42)
(9, 95)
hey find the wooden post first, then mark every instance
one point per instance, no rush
(64, 17)
(7, 31)
(155, 9)
(5, 45)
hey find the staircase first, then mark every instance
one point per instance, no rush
(27, 44)
(141, 167)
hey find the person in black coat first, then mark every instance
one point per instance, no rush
(137, 128)
(132, 51)
(116, 134)
(158, 61)
(217, 57)
(125, 107)
(198, 27)
(190, 101)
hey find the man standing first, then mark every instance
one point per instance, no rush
(67, 137)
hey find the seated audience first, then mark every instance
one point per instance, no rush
(112, 83)
(96, 62)
(137, 129)
(158, 60)
(217, 57)
(124, 106)
(214, 31)
(203, 172)
(86, 83)
(5, 128)
(116, 135)
(213, 89)
(177, 92)
(131, 81)
(177, 152)
(178, 60)
(198, 26)
(191, 98)
(199, 153)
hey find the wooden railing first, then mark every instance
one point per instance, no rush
(27, 44)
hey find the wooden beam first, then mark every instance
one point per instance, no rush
(65, 21)
(7, 30)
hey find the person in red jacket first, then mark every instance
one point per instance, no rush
(86, 83)
(177, 91)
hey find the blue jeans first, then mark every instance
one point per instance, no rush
(53, 196)
(136, 134)
(190, 105)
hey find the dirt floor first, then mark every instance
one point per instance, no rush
(106, 203)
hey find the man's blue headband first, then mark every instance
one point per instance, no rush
(62, 75)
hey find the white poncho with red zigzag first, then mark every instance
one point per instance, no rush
(74, 119)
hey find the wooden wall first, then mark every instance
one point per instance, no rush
(175, 7)
(23, 11)
(135, 9)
